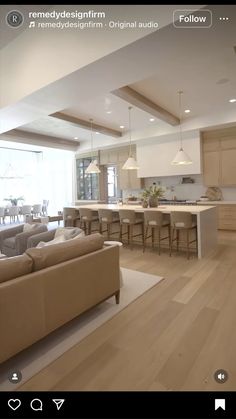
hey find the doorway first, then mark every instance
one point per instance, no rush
(112, 191)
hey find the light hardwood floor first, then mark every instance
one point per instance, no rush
(174, 337)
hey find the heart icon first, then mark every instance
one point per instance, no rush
(14, 403)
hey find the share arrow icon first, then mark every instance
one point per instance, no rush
(58, 403)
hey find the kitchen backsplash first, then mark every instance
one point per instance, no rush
(174, 187)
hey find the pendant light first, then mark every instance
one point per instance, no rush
(92, 168)
(10, 173)
(130, 163)
(181, 157)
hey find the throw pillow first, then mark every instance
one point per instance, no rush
(67, 232)
(78, 236)
(29, 227)
(56, 240)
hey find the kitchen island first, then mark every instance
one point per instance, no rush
(205, 216)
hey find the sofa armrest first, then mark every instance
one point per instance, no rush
(10, 232)
(34, 240)
(22, 238)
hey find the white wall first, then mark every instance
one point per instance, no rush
(154, 155)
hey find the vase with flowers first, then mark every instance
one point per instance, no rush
(150, 196)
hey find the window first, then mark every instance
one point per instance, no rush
(87, 184)
(111, 183)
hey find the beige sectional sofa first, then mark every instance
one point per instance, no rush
(13, 240)
(45, 288)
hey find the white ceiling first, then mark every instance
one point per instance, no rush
(202, 63)
(98, 108)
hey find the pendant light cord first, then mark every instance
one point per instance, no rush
(91, 132)
(180, 119)
(130, 154)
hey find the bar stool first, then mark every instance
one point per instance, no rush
(107, 217)
(86, 219)
(154, 220)
(182, 221)
(71, 217)
(128, 218)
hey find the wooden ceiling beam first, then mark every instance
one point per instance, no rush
(86, 124)
(28, 137)
(141, 102)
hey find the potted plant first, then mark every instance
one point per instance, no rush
(14, 201)
(151, 196)
(145, 198)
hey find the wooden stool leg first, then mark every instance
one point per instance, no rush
(172, 239)
(153, 236)
(143, 232)
(169, 233)
(187, 243)
(159, 240)
(177, 233)
(196, 240)
(145, 238)
(100, 227)
(108, 230)
(120, 235)
(128, 231)
(131, 236)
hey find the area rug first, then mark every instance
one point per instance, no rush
(32, 360)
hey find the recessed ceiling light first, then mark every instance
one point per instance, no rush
(122, 126)
(97, 132)
(151, 119)
(75, 138)
(232, 100)
(187, 110)
(108, 112)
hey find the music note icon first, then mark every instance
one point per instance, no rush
(32, 25)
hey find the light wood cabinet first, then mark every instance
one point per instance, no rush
(228, 167)
(219, 157)
(227, 217)
(128, 179)
(211, 168)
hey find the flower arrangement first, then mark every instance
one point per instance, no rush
(14, 201)
(151, 195)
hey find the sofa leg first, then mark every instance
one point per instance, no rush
(117, 297)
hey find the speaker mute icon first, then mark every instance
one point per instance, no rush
(58, 403)
(221, 376)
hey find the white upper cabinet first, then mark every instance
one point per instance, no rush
(155, 155)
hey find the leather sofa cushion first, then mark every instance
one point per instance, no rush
(10, 242)
(61, 252)
(14, 267)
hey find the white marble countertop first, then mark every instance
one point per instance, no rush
(193, 209)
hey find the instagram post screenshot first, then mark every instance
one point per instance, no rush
(117, 211)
